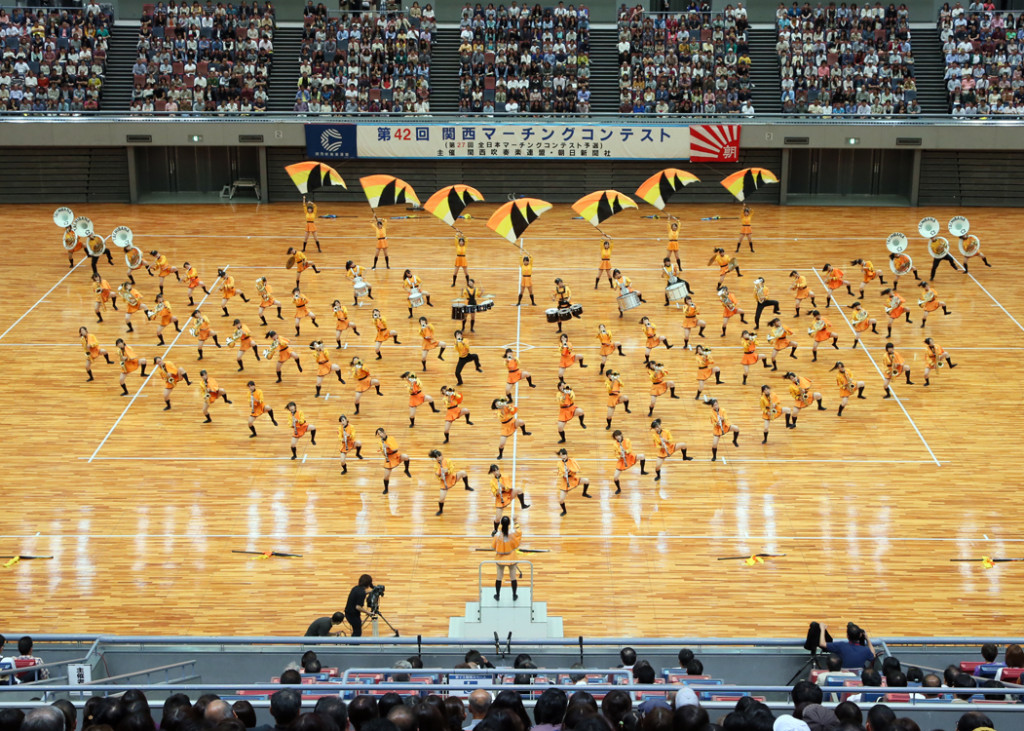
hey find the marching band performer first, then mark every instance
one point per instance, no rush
(779, 338)
(412, 282)
(929, 302)
(750, 354)
(324, 366)
(133, 298)
(605, 266)
(242, 336)
(671, 274)
(933, 357)
(453, 409)
(653, 339)
(257, 408)
(72, 239)
(861, 322)
(833, 282)
(892, 366)
(771, 409)
(672, 247)
(227, 290)
(746, 221)
(705, 367)
(171, 376)
(505, 547)
(846, 382)
(625, 285)
(364, 380)
(567, 357)
(691, 320)
(280, 345)
(341, 322)
(473, 296)
(299, 427)
(162, 268)
(103, 295)
(383, 332)
(211, 392)
(192, 281)
(92, 349)
(460, 257)
(515, 373)
(625, 458)
(510, 421)
(526, 280)
(346, 442)
(462, 348)
(428, 342)
(416, 396)
(720, 426)
(310, 209)
(761, 295)
(662, 440)
(392, 456)
(562, 297)
(608, 344)
(301, 263)
(801, 290)
(658, 375)
(380, 231)
(803, 396)
(615, 396)
(267, 299)
(869, 272)
(898, 260)
(162, 311)
(935, 246)
(969, 254)
(567, 409)
(354, 272)
(504, 492)
(569, 478)
(129, 362)
(302, 309)
(202, 331)
(725, 264)
(447, 475)
(894, 308)
(730, 308)
(96, 240)
(820, 331)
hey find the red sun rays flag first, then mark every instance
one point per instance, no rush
(602, 205)
(744, 182)
(387, 190)
(449, 203)
(310, 175)
(511, 219)
(661, 186)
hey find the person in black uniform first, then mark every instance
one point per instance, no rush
(355, 607)
(322, 627)
(473, 296)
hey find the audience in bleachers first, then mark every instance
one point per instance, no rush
(690, 62)
(203, 58)
(54, 60)
(843, 60)
(365, 62)
(984, 59)
(523, 59)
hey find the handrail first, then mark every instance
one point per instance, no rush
(491, 671)
(147, 671)
(507, 562)
(41, 666)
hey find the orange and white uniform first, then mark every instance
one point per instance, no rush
(730, 309)
(894, 308)
(191, 278)
(129, 361)
(227, 287)
(91, 346)
(566, 405)
(801, 392)
(823, 333)
(300, 303)
(356, 272)
(341, 321)
(606, 257)
(663, 443)
(502, 491)
(169, 373)
(310, 210)
(429, 342)
(868, 270)
(568, 474)
(673, 237)
(705, 366)
(505, 548)
(362, 376)
(453, 404)
(299, 424)
(515, 373)
(801, 288)
(507, 416)
(137, 296)
(382, 330)
(746, 219)
(749, 351)
(281, 345)
(102, 289)
(389, 450)
(901, 261)
(933, 356)
(165, 314)
(722, 260)
(835, 278)
(301, 262)
(861, 320)
(651, 333)
(346, 438)
(614, 389)
(690, 313)
(526, 274)
(658, 385)
(460, 252)
(607, 346)
(624, 283)
(204, 329)
(719, 422)
(380, 230)
(928, 300)
(162, 266)
(416, 396)
(323, 363)
(445, 472)
(210, 389)
(411, 283)
(893, 364)
(780, 337)
(266, 295)
(257, 406)
(771, 409)
(243, 337)
(624, 455)
(846, 383)
(568, 358)
(69, 237)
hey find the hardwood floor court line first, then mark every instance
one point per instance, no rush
(998, 303)
(489, 460)
(27, 312)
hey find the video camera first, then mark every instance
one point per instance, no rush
(373, 598)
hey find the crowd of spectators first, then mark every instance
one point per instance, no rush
(688, 62)
(203, 58)
(54, 60)
(523, 59)
(365, 61)
(984, 59)
(846, 60)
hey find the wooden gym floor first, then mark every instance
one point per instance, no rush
(141, 508)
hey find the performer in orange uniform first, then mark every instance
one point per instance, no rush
(417, 396)
(162, 268)
(309, 208)
(447, 474)
(929, 302)
(833, 281)
(360, 287)
(242, 336)
(171, 376)
(659, 384)
(453, 409)
(75, 242)
(653, 339)
(162, 311)
(730, 308)
(92, 349)
(898, 262)
(608, 344)
(202, 331)
(510, 421)
(568, 358)
(771, 410)
(567, 409)
(228, 290)
(211, 392)
(392, 456)
(461, 262)
(267, 299)
(894, 308)
(869, 273)
(341, 322)
(705, 368)
(892, 366)
(302, 310)
(515, 373)
(281, 345)
(300, 262)
(257, 408)
(412, 283)
(778, 336)
(505, 547)
(526, 280)
(820, 331)
(192, 281)
(720, 426)
(672, 247)
(800, 290)
(625, 458)
(847, 383)
(605, 266)
(725, 265)
(380, 231)
(364, 381)
(504, 492)
(746, 229)
(299, 427)
(129, 362)
(383, 332)
(861, 321)
(691, 320)
(324, 366)
(346, 442)
(803, 396)
(750, 355)
(101, 287)
(662, 440)
(568, 476)
(615, 396)
(933, 357)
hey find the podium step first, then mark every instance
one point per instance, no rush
(522, 617)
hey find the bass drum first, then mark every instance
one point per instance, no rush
(677, 291)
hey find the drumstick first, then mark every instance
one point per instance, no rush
(272, 553)
(756, 555)
(977, 560)
(524, 550)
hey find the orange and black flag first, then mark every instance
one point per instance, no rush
(387, 190)
(512, 219)
(310, 175)
(744, 182)
(602, 205)
(661, 186)
(449, 203)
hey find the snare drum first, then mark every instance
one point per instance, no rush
(416, 298)
(629, 300)
(485, 305)
(551, 314)
(565, 314)
(576, 310)
(360, 287)
(676, 291)
(458, 309)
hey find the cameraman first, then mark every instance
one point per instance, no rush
(355, 607)
(857, 651)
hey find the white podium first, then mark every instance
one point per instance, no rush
(524, 618)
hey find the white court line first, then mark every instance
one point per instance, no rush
(168, 350)
(998, 304)
(515, 432)
(708, 270)
(770, 239)
(40, 300)
(867, 352)
(488, 460)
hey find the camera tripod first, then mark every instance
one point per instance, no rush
(375, 626)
